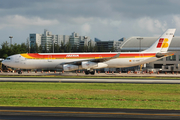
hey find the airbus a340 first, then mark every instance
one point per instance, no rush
(91, 61)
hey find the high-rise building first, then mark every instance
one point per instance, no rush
(47, 39)
(62, 38)
(76, 40)
(35, 39)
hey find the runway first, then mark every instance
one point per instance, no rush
(92, 80)
(51, 113)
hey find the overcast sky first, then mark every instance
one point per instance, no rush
(104, 19)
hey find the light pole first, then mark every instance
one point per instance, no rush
(140, 66)
(139, 43)
(10, 40)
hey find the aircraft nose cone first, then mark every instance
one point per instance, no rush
(4, 62)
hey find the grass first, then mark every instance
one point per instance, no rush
(92, 95)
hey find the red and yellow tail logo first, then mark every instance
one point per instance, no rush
(162, 43)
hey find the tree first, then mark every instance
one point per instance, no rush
(67, 47)
(5, 51)
(90, 48)
(56, 48)
(95, 48)
(45, 49)
(13, 49)
(27, 45)
(32, 49)
(80, 49)
(75, 48)
(40, 49)
(23, 48)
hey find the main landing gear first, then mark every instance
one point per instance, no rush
(89, 72)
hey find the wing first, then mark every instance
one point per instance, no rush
(92, 60)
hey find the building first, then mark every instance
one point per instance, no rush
(47, 39)
(35, 39)
(63, 38)
(109, 45)
(76, 40)
(170, 63)
(86, 42)
(105, 45)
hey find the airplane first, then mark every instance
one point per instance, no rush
(91, 61)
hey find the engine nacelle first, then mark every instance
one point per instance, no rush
(88, 64)
(69, 67)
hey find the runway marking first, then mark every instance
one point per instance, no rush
(146, 81)
(107, 113)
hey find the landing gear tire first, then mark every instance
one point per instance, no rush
(92, 72)
(87, 72)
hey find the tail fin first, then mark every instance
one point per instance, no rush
(162, 44)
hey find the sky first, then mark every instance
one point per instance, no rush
(103, 19)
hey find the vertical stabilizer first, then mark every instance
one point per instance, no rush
(162, 44)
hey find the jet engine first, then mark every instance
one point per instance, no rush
(88, 64)
(69, 67)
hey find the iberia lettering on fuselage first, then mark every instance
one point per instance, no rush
(70, 55)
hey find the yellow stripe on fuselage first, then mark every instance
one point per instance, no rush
(27, 56)
(144, 56)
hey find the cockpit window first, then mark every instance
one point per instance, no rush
(8, 58)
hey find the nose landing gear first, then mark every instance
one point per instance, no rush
(19, 72)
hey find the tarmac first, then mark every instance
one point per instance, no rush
(25, 73)
(37, 113)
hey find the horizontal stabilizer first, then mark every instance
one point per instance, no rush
(159, 55)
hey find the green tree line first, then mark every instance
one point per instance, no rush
(7, 50)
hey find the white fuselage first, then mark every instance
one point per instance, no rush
(18, 61)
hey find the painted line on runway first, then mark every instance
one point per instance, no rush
(95, 80)
(106, 113)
